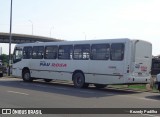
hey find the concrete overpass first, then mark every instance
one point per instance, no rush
(23, 38)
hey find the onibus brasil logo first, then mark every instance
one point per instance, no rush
(21, 111)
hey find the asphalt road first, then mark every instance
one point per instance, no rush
(14, 93)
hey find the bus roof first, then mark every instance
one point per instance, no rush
(120, 40)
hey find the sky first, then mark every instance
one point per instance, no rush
(84, 19)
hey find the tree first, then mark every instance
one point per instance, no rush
(4, 59)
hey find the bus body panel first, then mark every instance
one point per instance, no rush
(134, 68)
(140, 62)
(108, 72)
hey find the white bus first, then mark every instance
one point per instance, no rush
(98, 62)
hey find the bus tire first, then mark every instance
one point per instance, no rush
(79, 80)
(26, 76)
(100, 86)
(47, 80)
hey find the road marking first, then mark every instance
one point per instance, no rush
(17, 92)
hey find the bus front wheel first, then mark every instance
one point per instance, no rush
(79, 80)
(26, 76)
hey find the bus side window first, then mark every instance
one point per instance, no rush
(51, 52)
(38, 52)
(27, 52)
(82, 52)
(100, 51)
(65, 52)
(117, 52)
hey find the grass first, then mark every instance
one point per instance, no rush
(137, 87)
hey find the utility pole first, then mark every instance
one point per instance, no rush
(10, 40)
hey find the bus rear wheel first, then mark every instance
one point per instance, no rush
(26, 76)
(79, 80)
(100, 86)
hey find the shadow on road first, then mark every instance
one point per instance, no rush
(154, 97)
(65, 88)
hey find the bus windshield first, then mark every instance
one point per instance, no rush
(17, 56)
